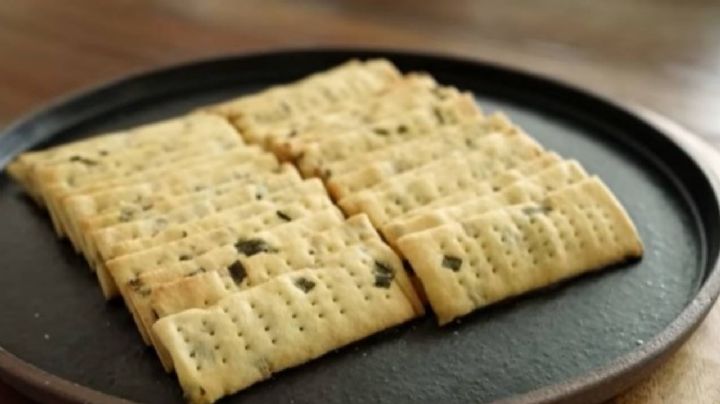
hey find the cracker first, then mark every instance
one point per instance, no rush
(188, 261)
(285, 322)
(158, 235)
(296, 246)
(55, 192)
(505, 150)
(416, 188)
(413, 92)
(104, 146)
(133, 202)
(503, 253)
(230, 207)
(532, 189)
(178, 180)
(455, 112)
(259, 114)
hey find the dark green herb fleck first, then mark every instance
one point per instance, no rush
(384, 275)
(439, 116)
(103, 152)
(195, 272)
(237, 272)
(304, 284)
(184, 257)
(402, 129)
(125, 215)
(453, 263)
(536, 209)
(254, 246)
(284, 216)
(381, 131)
(183, 234)
(84, 160)
(135, 284)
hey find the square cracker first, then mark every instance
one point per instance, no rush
(507, 252)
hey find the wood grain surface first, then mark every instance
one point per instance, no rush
(662, 54)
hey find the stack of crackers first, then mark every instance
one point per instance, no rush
(260, 233)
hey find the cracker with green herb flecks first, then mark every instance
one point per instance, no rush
(127, 269)
(89, 212)
(420, 187)
(49, 180)
(98, 148)
(422, 122)
(295, 246)
(499, 149)
(506, 252)
(285, 322)
(143, 234)
(262, 114)
(531, 189)
(413, 92)
(167, 229)
(55, 193)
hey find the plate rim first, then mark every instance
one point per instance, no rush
(618, 375)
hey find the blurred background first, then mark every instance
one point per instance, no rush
(661, 54)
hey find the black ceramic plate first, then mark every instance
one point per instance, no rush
(581, 341)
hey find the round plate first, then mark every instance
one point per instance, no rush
(580, 341)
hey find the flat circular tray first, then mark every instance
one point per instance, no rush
(581, 341)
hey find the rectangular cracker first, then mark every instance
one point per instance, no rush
(256, 237)
(416, 188)
(499, 148)
(285, 322)
(503, 253)
(55, 192)
(182, 180)
(496, 122)
(106, 145)
(546, 161)
(82, 171)
(258, 115)
(132, 202)
(127, 268)
(294, 246)
(142, 234)
(278, 212)
(531, 189)
(423, 124)
(208, 288)
(413, 92)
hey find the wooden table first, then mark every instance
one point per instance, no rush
(662, 54)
